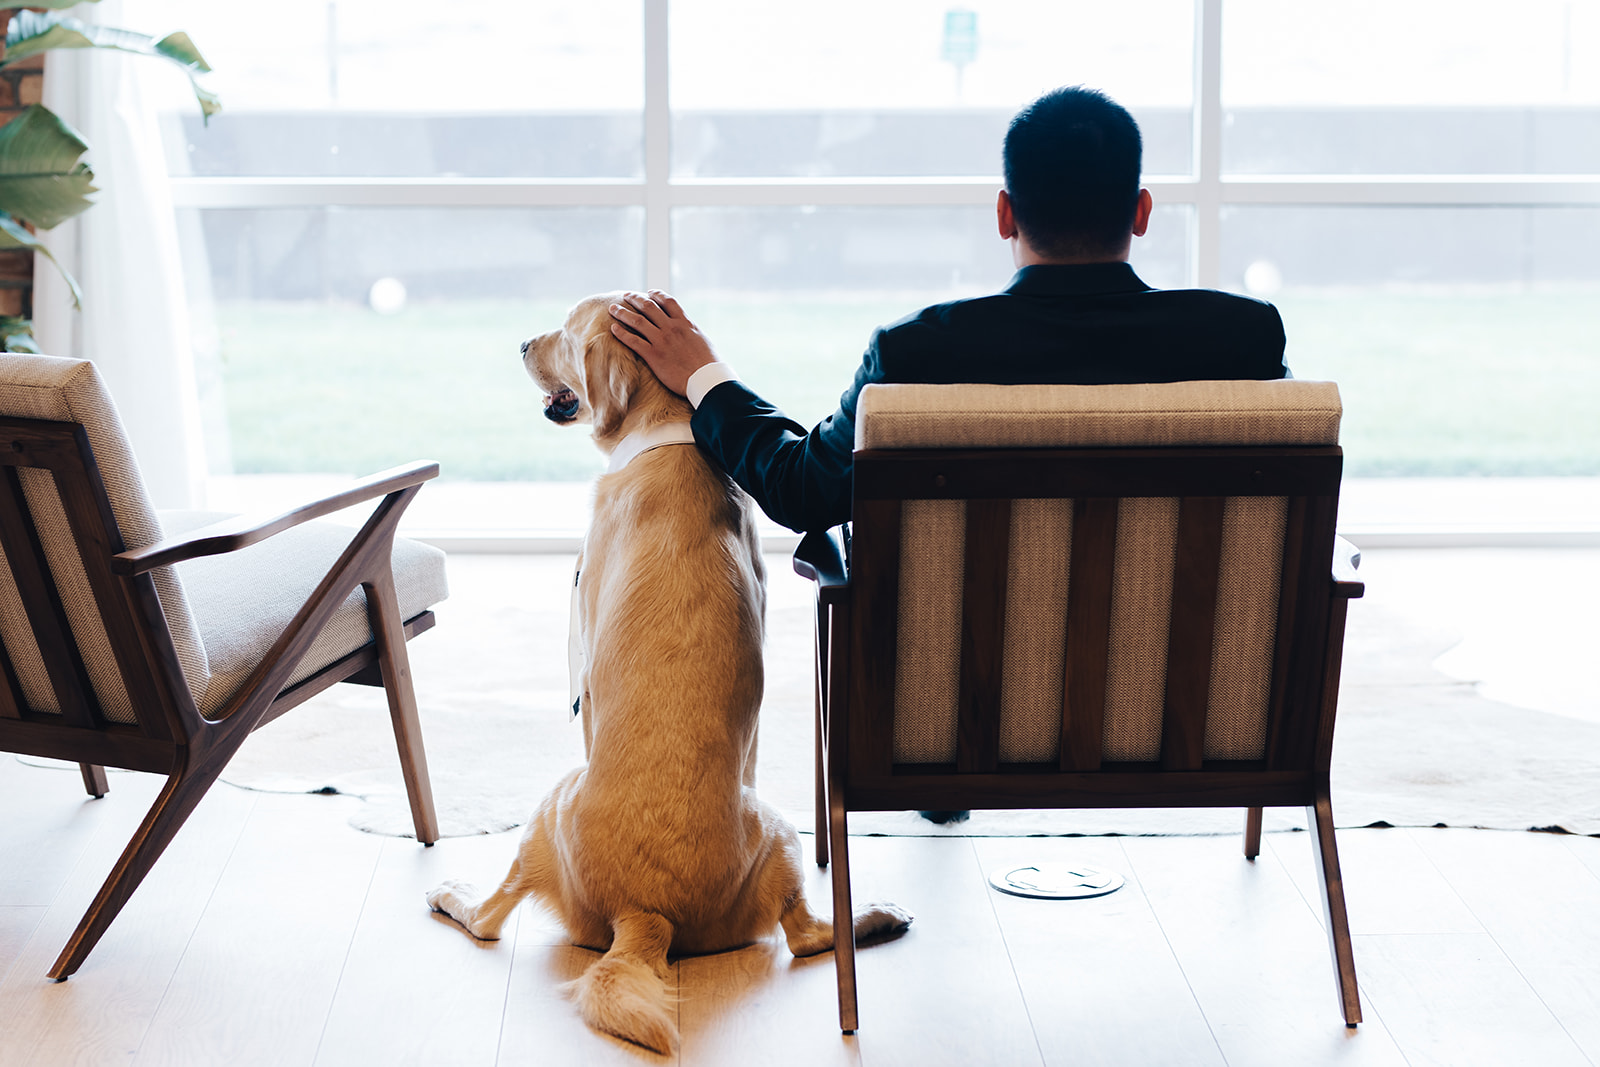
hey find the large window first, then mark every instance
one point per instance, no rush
(399, 193)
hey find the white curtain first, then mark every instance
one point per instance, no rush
(124, 252)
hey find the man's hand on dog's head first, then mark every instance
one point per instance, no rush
(655, 327)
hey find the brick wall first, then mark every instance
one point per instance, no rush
(20, 86)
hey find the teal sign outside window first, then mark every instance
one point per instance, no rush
(960, 37)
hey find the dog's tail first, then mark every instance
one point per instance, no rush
(624, 992)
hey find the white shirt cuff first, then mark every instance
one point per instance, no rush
(705, 379)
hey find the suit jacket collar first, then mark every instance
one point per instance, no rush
(1076, 279)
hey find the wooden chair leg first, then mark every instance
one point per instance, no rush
(1252, 833)
(844, 927)
(94, 779)
(172, 806)
(383, 608)
(1326, 853)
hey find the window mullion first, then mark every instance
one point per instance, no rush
(657, 148)
(1207, 266)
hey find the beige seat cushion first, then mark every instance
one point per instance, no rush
(1180, 414)
(243, 600)
(70, 390)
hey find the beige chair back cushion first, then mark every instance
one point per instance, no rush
(1276, 413)
(68, 390)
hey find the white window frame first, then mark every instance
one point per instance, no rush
(659, 193)
(1206, 191)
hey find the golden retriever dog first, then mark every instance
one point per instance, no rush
(659, 845)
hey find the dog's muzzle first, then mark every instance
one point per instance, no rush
(563, 406)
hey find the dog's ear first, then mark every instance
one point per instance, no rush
(610, 376)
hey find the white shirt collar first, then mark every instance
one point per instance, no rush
(641, 441)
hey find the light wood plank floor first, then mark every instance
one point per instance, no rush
(272, 933)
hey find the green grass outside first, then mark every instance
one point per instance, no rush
(1498, 384)
(1480, 384)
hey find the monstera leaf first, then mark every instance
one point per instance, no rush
(41, 179)
(32, 32)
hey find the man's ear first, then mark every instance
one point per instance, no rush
(1004, 216)
(1141, 212)
(610, 374)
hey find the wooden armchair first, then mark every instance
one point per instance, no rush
(124, 647)
(1084, 597)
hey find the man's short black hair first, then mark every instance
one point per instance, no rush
(1072, 169)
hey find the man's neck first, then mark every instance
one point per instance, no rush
(1023, 255)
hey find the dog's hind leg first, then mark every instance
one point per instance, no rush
(806, 932)
(783, 881)
(809, 933)
(483, 917)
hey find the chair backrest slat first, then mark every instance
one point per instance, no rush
(1190, 632)
(1302, 629)
(1094, 547)
(41, 602)
(1294, 529)
(927, 652)
(1033, 656)
(1141, 613)
(94, 528)
(983, 615)
(1249, 580)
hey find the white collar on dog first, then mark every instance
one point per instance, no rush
(642, 441)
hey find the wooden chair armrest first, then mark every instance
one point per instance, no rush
(1346, 558)
(818, 558)
(241, 531)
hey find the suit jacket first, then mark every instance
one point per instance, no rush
(1089, 324)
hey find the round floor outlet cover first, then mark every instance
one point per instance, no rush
(1056, 881)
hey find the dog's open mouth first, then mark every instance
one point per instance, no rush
(563, 406)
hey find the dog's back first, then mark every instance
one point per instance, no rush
(674, 598)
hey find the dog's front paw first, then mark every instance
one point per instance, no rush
(881, 919)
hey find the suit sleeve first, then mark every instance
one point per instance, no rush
(1275, 346)
(801, 480)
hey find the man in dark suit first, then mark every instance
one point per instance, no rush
(1074, 313)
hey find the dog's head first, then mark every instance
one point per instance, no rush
(586, 373)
